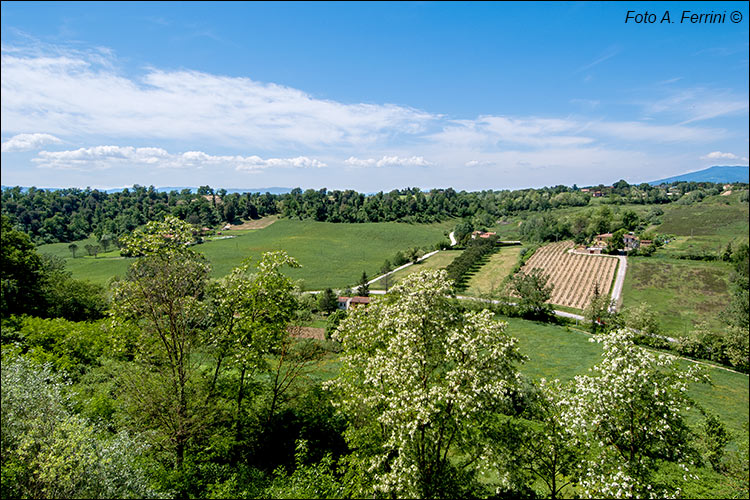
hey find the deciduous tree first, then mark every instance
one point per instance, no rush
(419, 379)
(534, 290)
(162, 293)
(629, 416)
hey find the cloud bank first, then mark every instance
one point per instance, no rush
(28, 142)
(105, 157)
(82, 100)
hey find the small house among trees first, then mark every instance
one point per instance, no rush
(482, 234)
(601, 240)
(345, 303)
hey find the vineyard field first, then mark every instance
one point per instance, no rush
(573, 275)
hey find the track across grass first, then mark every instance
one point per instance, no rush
(438, 261)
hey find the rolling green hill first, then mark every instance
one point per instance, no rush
(331, 255)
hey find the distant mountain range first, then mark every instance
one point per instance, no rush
(720, 174)
(711, 174)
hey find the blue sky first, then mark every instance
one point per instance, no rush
(368, 96)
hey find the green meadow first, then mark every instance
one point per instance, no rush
(488, 278)
(683, 293)
(559, 352)
(438, 261)
(331, 255)
(562, 353)
(705, 227)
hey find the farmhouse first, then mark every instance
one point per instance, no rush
(345, 303)
(631, 241)
(600, 240)
(481, 234)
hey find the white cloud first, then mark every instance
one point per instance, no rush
(608, 54)
(388, 161)
(507, 132)
(640, 131)
(491, 130)
(84, 99)
(257, 163)
(74, 93)
(718, 155)
(698, 104)
(28, 142)
(104, 157)
(478, 163)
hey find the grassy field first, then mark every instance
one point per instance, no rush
(705, 227)
(97, 269)
(562, 353)
(682, 292)
(331, 255)
(557, 352)
(438, 261)
(491, 275)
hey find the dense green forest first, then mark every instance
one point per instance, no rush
(66, 215)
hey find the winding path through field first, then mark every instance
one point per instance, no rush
(452, 236)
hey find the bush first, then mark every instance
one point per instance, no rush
(333, 322)
(49, 452)
(70, 347)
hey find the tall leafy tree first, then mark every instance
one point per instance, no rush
(629, 415)
(534, 290)
(419, 379)
(22, 275)
(162, 294)
(251, 311)
(538, 445)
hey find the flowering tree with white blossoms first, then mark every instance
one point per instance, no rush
(629, 418)
(419, 379)
(537, 444)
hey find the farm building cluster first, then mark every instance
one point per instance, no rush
(481, 234)
(630, 240)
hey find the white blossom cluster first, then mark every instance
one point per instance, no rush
(421, 374)
(628, 416)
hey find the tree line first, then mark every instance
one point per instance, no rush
(65, 215)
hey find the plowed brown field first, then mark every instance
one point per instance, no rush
(573, 275)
